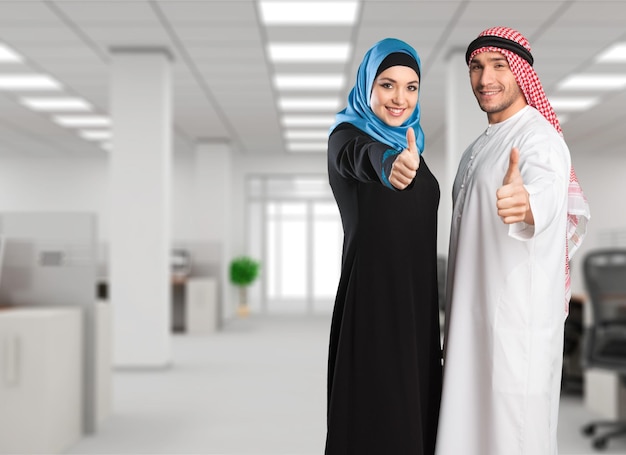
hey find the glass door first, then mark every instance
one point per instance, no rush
(297, 233)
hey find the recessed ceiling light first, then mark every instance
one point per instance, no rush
(28, 82)
(309, 52)
(95, 135)
(309, 13)
(309, 81)
(8, 55)
(56, 104)
(307, 146)
(308, 104)
(306, 134)
(572, 104)
(84, 120)
(594, 81)
(614, 54)
(308, 120)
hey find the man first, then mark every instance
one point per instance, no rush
(517, 204)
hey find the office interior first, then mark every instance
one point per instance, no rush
(144, 144)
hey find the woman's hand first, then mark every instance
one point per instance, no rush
(405, 166)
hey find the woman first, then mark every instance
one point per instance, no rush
(384, 378)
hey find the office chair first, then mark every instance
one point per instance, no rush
(572, 374)
(605, 339)
(442, 264)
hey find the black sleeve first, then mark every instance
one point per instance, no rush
(354, 155)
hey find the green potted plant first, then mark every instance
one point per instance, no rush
(243, 271)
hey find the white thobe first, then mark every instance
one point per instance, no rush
(505, 303)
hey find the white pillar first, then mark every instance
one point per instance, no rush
(140, 171)
(214, 199)
(464, 122)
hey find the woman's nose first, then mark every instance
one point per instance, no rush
(398, 97)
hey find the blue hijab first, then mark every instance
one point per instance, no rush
(359, 113)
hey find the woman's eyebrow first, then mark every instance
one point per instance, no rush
(388, 79)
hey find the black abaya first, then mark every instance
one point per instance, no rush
(384, 368)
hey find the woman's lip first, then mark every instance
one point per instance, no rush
(395, 111)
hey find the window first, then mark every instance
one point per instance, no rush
(295, 229)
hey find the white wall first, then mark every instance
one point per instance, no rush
(70, 184)
(56, 184)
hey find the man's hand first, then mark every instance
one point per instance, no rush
(512, 198)
(405, 166)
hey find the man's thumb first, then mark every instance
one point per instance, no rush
(513, 170)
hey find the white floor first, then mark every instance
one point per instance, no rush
(256, 387)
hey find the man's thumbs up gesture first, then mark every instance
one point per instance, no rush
(405, 166)
(513, 201)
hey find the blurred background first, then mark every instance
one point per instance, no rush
(147, 147)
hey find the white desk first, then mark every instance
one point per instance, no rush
(41, 379)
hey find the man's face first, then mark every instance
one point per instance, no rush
(495, 87)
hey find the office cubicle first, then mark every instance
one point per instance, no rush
(49, 260)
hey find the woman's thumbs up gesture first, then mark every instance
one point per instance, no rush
(406, 164)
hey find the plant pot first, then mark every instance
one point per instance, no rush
(243, 311)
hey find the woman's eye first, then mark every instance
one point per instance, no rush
(413, 88)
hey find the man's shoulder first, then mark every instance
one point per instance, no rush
(533, 117)
(536, 124)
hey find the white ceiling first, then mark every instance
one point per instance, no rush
(223, 87)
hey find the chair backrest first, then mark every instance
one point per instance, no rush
(442, 265)
(605, 279)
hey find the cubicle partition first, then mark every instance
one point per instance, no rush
(49, 261)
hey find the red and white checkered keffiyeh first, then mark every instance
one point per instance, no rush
(577, 208)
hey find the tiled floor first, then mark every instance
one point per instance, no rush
(257, 387)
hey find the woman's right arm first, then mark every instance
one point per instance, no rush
(354, 155)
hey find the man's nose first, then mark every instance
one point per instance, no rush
(486, 76)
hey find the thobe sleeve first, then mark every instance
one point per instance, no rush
(355, 155)
(544, 165)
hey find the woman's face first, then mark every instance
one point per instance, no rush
(394, 95)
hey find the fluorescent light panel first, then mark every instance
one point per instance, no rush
(572, 103)
(307, 146)
(308, 104)
(307, 134)
(309, 81)
(56, 104)
(28, 82)
(594, 81)
(8, 55)
(309, 13)
(84, 120)
(614, 54)
(308, 120)
(95, 135)
(309, 52)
